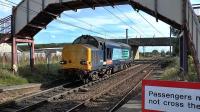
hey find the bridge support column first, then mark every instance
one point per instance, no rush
(135, 52)
(183, 55)
(14, 52)
(32, 56)
(14, 55)
(184, 42)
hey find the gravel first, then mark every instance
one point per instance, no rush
(71, 100)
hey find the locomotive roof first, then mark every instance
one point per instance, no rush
(99, 39)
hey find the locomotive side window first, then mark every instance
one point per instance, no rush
(101, 46)
(109, 53)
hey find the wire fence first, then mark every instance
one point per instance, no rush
(23, 59)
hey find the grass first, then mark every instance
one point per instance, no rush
(40, 73)
(7, 78)
(172, 71)
(171, 67)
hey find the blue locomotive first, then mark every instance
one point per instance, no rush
(91, 57)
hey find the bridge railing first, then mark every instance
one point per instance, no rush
(27, 10)
(5, 25)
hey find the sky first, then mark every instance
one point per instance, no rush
(101, 21)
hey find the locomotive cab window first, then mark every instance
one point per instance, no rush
(87, 40)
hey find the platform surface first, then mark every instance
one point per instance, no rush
(133, 105)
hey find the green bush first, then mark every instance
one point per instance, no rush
(171, 71)
(7, 78)
(40, 74)
(192, 74)
(171, 74)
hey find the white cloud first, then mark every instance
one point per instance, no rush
(144, 27)
(99, 21)
(6, 7)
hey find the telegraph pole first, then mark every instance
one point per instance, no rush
(126, 36)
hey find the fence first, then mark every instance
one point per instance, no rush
(23, 59)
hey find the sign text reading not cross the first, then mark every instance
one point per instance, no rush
(170, 96)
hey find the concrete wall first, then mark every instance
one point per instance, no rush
(136, 52)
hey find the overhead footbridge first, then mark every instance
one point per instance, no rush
(31, 16)
(157, 41)
(135, 43)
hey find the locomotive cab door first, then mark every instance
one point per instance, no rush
(104, 52)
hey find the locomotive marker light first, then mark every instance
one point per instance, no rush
(170, 96)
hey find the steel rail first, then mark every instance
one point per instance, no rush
(5, 106)
(121, 102)
(80, 105)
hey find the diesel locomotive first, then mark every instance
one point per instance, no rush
(91, 57)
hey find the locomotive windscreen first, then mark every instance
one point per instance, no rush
(86, 40)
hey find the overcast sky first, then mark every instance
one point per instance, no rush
(100, 21)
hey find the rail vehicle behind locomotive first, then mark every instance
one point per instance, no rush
(91, 57)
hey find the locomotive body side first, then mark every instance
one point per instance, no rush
(121, 55)
(91, 57)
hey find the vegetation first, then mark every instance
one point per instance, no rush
(192, 75)
(154, 53)
(7, 78)
(171, 67)
(42, 72)
(172, 70)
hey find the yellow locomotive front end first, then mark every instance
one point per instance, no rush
(76, 57)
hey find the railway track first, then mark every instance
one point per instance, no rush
(79, 99)
(29, 102)
(33, 101)
(111, 98)
(64, 97)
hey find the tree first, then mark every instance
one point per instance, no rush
(167, 53)
(162, 53)
(155, 52)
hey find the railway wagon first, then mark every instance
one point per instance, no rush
(92, 57)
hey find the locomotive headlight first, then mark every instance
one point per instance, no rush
(83, 62)
(63, 62)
